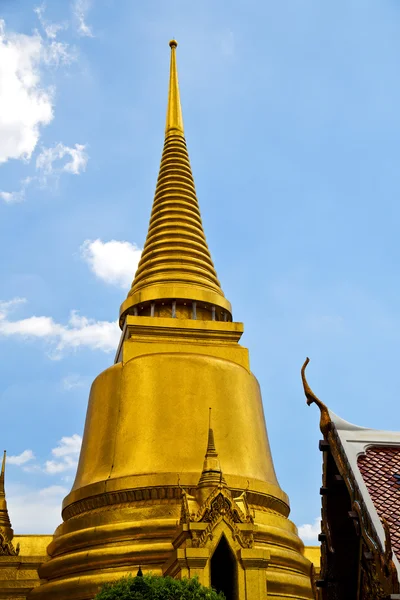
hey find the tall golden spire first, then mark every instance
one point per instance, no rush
(176, 266)
(5, 524)
(144, 425)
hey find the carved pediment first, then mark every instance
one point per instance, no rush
(219, 506)
(220, 503)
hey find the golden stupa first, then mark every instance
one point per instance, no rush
(144, 494)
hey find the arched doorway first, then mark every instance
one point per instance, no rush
(224, 570)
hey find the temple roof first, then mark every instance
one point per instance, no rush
(380, 469)
(374, 459)
(176, 262)
(368, 460)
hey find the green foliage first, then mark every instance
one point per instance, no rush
(151, 587)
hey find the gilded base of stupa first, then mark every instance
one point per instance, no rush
(150, 414)
(111, 541)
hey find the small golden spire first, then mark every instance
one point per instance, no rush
(211, 475)
(5, 524)
(211, 450)
(174, 110)
(2, 474)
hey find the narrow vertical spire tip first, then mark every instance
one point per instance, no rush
(174, 110)
(2, 472)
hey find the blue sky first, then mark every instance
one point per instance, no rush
(293, 127)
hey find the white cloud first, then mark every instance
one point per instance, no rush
(50, 164)
(68, 445)
(80, 8)
(51, 29)
(21, 459)
(114, 262)
(67, 452)
(19, 196)
(7, 307)
(54, 53)
(309, 532)
(73, 381)
(78, 158)
(52, 490)
(12, 197)
(39, 510)
(53, 467)
(79, 331)
(35, 511)
(25, 105)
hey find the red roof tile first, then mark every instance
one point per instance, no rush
(378, 466)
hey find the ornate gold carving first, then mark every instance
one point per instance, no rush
(371, 588)
(325, 423)
(7, 547)
(378, 572)
(199, 540)
(219, 506)
(386, 557)
(325, 527)
(186, 515)
(266, 503)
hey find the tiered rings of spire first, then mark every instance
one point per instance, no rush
(176, 276)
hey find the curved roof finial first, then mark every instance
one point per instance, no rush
(325, 420)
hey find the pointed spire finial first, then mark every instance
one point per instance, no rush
(2, 474)
(174, 110)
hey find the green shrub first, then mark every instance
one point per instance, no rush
(151, 587)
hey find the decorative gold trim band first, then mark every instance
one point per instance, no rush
(172, 493)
